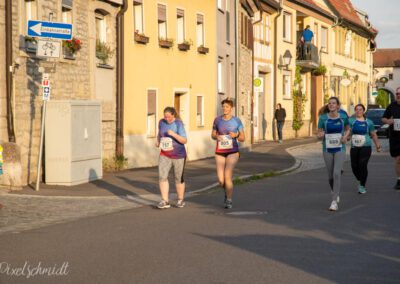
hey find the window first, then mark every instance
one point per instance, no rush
(391, 76)
(220, 77)
(219, 5)
(200, 111)
(138, 14)
(162, 21)
(200, 30)
(30, 10)
(267, 29)
(228, 27)
(151, 113)
(66, 11)
(101, 27)
(324, 39)
(315, 34)
(180, 21)
(287, 27)
(287, 85)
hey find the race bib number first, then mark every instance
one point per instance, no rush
(333, 140)
(225, 142)
(396, 124)
(358, 140)
(166, 144)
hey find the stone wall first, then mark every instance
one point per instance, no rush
(3, 91)
(73, 79)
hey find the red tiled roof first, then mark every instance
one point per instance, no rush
(387, 57)
(313, 4)
(347, 11)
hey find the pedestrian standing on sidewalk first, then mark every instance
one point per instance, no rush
(362, 130)
(334, 130)
(392, 117)
(171, 139)
(227, 131)
(280, 115)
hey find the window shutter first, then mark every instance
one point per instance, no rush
(250, 34)
(180, 13)
(162, 13)
(200, 19)
(151, 102)
(67, 3)
(228, 27)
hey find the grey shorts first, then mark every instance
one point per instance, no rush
(164, 166)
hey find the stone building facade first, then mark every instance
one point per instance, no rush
(79, 76)
(3, 101)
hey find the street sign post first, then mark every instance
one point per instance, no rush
(49, 30)
(48, 48)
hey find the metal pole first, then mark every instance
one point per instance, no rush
(41, 146)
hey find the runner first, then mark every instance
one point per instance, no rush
(392, 117)
(171, 139)
(227, 130)
(362, 130)
(334, 129)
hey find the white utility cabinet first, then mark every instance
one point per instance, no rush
(73, 142)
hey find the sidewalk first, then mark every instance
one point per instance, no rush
(265, 157)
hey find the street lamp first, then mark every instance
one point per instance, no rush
(287, 57)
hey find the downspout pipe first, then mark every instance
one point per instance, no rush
(276, 63)
(9, 67)
(119, 147)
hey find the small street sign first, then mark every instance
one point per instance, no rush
(49, 30)
(46, 89)
(258, 84)
(48, 48)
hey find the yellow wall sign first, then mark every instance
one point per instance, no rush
(258, 84)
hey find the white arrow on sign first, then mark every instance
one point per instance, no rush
(37, 28)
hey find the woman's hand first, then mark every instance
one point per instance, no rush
(234, 135)
(170, 133)
(344, 139)
(321, 134)
(378, 147)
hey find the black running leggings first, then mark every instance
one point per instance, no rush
(359, 162)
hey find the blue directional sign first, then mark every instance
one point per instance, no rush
(49, 30)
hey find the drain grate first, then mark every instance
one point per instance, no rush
(247, 213)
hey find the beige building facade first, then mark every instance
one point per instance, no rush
(3, 90)
(170, 60)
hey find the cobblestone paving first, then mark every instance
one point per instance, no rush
(22, 212)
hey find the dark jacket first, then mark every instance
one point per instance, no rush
(280, 115)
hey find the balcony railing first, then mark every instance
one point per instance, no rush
(307, 56)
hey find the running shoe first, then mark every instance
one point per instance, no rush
(180, 203)
(361, 189)
(228, 203)
(163, 204)
(334, 206)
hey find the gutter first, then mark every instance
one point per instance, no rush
(9, 68)
(276, 61)
(119, 149)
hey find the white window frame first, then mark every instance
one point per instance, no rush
(180, 26)
(138, 20)
(200, 36)
(162, 26)
(219, 5)
(326, 43)
(287, 26)
(151, 120)
(287, 85)
(220, 76)
(200, 122)
(102, 32)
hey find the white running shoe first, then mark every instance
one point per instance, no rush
(334, 206)
(163, 204)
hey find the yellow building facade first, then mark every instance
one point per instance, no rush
(170, 60)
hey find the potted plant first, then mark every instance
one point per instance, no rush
(71, 47)
(166, 42)
(141, 37)
(185, 45)
(320, 70)
(202, 49)
(30, 44)
(103, 52)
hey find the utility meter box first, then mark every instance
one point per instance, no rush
(73, 142)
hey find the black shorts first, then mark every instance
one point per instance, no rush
(394, 147)
(226, 154)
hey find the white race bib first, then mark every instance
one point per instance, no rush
(358, 140)
(396, 124)
(166, 144)
(333, 140)
(225, 142)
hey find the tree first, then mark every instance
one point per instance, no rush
(383, 98)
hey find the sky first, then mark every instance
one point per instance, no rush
(384, 16)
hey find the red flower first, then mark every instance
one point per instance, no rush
(78, 41)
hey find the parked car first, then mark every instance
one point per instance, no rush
(376, 116)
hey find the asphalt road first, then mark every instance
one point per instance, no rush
(280, 231)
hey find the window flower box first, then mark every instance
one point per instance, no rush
(184, 46)
(71, 47)
(141, 38)
(165, 43)
(202, 49)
